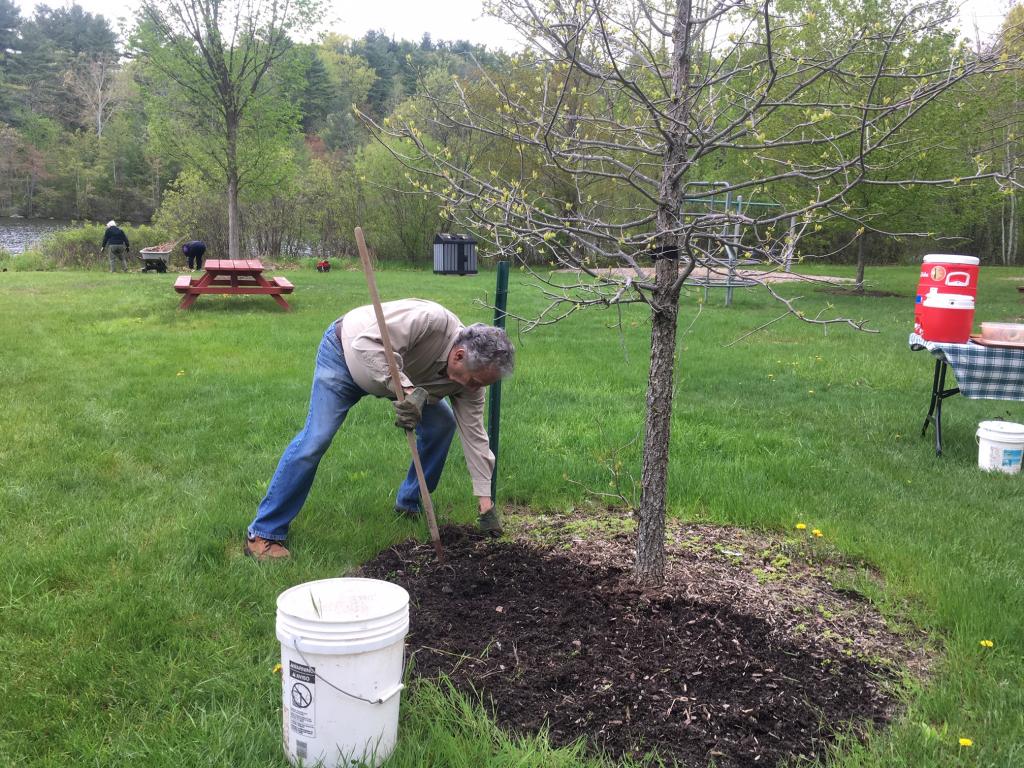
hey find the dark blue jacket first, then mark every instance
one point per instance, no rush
(115, 236)
(194, 248)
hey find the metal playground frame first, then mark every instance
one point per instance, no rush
(731, 260)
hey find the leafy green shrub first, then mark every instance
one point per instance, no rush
(399, 221)
(79, 248)
(194, 210)
(29, 261)
(73, 248)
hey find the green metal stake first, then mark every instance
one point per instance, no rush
(494, 402)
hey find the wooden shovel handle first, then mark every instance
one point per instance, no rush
(396, 379)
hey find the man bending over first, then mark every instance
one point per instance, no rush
(439, 359)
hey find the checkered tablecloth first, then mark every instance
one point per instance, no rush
(982, 373)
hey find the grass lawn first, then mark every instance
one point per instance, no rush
(137, 441)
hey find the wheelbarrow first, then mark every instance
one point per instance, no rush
(156, 258)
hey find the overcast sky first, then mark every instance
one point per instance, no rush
(463, 19)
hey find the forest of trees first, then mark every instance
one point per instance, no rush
(93, 127)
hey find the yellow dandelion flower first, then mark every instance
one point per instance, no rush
(986, 644)
(801, 526)
(181, 373)
(817, 533)
(966, 743)
(277, 669)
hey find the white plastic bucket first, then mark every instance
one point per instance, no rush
(1000, 446)
(342, 658)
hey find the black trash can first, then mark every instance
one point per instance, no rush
(454, 254)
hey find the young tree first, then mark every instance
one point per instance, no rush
(215, 58)
(635, 105)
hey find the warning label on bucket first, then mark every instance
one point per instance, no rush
(302, 672)
(1012, 458)
(302, 700)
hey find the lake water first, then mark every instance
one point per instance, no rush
(18, 235)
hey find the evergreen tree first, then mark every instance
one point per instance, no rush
(34, 74)
(379, 52)
(10, 21)
(74, 31)
(317, 92)
(47, 46)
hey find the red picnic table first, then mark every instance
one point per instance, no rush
(235, 276)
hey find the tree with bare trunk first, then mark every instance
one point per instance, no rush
(637, 107)
(98, 86)
(215, 58)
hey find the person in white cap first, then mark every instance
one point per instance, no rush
(115, 243)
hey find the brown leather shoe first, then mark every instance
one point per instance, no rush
(266, 549)
(408, 514)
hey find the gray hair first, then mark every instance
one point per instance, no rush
(487, 346)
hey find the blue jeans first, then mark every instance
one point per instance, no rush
(334, 393)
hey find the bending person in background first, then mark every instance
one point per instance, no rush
(438, 358)
(115, 243)
(194, 250)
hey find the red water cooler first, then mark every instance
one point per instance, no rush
(946, 293)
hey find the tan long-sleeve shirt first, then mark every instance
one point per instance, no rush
(422, 334)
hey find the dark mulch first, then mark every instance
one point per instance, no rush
(556, 637)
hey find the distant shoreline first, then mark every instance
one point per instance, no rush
(18, 235)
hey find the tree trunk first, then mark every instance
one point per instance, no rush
(860, 261)
(1011, 251)
(98, 103)
(30, 202)
(234, 248)
(1003, 244)
(234, 238)
(650, 545)
(156, 183)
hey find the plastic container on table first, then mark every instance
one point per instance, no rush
(947, 317)
(945, 273)
(1010, 333)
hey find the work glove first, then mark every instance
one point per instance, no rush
(489, 523)
(408, 412)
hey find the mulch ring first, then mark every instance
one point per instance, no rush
(852, 291)
(748, 656)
